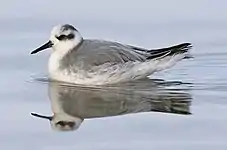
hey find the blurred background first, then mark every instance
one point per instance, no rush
(25, 25)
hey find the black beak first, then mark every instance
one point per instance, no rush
(43, 47)
(41, 116)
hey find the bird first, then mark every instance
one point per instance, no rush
(77, 60)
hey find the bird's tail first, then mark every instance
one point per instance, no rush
(170, 51)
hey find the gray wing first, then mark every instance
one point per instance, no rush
(96, 52)
(112, 51)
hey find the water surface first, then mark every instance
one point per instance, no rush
(181, 108)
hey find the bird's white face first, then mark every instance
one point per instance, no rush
(62, 121)
(63, 38)
(59, 123)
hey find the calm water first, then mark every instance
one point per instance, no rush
(181, 108)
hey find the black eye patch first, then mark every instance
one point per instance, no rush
(71, 36)
(65, 37)
(64, 123)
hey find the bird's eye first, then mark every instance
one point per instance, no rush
(71, 124)
(64, 123)
(65, 37)
(71, 36)
(61, 123)
(61, 37)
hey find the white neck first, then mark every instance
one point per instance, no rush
(60, 49)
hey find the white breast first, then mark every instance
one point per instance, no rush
(53, 64)
(55, 72)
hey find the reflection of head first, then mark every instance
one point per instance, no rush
(62, 122)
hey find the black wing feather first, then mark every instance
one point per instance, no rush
(169, 51)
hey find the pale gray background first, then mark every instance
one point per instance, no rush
(26, 24)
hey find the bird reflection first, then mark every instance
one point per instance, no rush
(72, 104)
